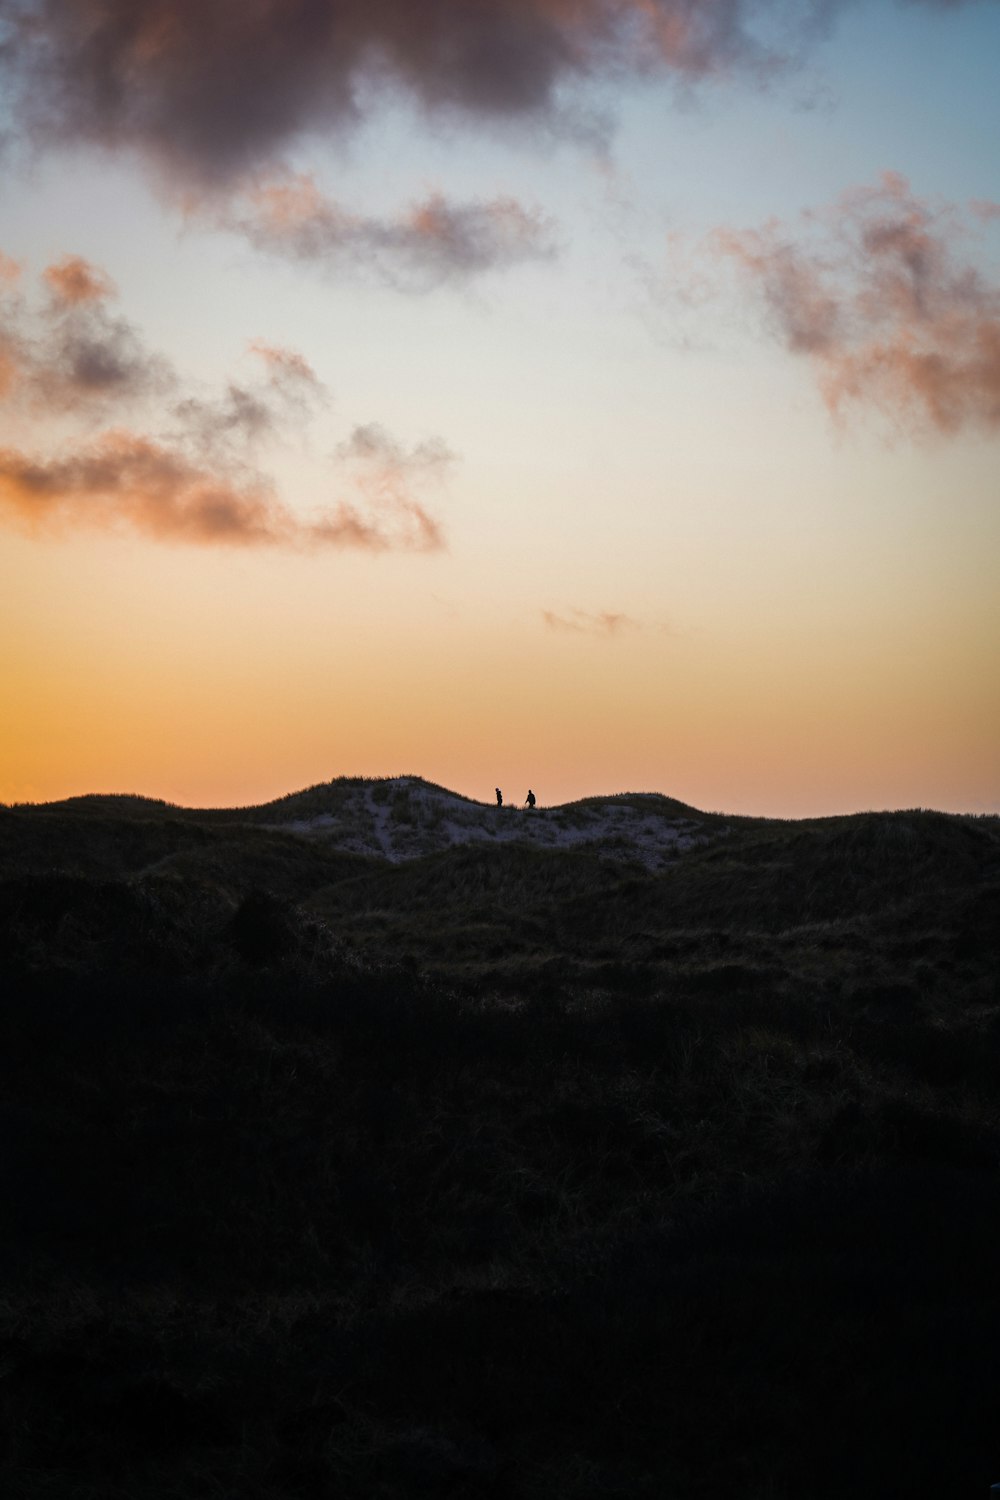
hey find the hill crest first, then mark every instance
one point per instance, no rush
(400, 818)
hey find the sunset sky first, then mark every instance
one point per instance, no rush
(590, 395)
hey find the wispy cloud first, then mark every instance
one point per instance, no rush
(229, 426)
(391, 480)
(879, 294)
(212, 91)
(603, 622)
(287, 369)
(432, 241)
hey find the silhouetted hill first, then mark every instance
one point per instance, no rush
(383, 1143)
(405, 817)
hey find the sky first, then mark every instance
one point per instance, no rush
(589, 395)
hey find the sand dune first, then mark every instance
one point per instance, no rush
(404, 817)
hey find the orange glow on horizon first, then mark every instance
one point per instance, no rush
(217, 683)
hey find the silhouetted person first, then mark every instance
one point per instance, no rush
(499, 797)
(529, 800)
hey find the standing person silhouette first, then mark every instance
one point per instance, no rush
(529, 801)
(499, 797)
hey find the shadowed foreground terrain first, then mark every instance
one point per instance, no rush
(350, 1149)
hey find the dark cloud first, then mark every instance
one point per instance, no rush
(873, 292)
(604, 622)
(92, 359)
(212, 90)
(432, 241)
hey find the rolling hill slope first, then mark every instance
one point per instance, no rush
(379, 1142)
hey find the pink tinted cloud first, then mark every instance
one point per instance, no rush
(71, 353)
(227, 427)
(474, 236)
(198, 480)
(286, 366)
(10, 367)
(434, 240)
(74, 282)
(391, 479)
(604, 622)
(126, 481)
(12, 354)
(879, 294)
(794, 288)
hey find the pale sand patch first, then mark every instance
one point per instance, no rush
(615, 829)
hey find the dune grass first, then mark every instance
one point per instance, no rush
(505, 1172)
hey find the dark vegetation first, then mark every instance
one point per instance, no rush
(501, 1173)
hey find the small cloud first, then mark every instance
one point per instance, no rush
(250, 411)
(286, 367)
(806, 315)
(433, 241)
(604, 622)
(73, 281)
(390, 478)
(405, 529)
(235, 420)
(388, 461)
(466, 238)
